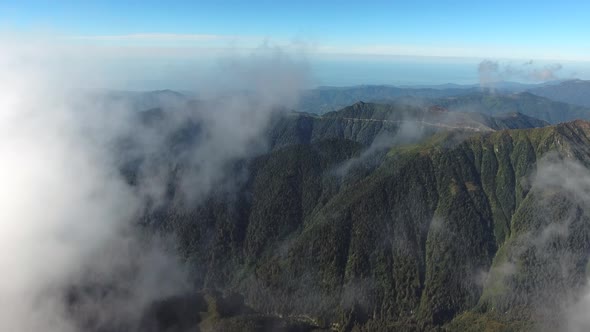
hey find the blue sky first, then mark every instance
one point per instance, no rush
(334, 31)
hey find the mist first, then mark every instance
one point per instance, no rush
(72, 253)
(547, 246)
(409, 131)
(571, 179)
(492, 72)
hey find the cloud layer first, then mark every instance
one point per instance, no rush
(69, 216)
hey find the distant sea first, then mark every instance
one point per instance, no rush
(396, 71)
(189, 75)
(426, 71)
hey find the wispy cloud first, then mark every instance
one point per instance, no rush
(453, 51)
(325, 47)
(162, 37)
(491, 72)
(172, 44)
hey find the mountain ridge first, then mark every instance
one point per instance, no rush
(575, 92)
(322, 228)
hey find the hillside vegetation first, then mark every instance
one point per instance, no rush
(353, 223)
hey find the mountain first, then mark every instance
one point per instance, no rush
(418, 242)
(138, 100)
(515, 87)
(396, 122)
(327, 99)
(524, 102)
(575, 92)
(464, 226)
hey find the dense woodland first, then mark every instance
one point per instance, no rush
(446, 228)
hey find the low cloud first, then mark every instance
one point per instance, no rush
(491, 72)
(72, 253)
(157, 37)
(540, 265)
(570, 178)
(407, 131)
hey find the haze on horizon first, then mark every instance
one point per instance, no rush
(174, 45)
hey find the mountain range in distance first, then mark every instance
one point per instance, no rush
(555, 101)
(325, 99)
(505, 97)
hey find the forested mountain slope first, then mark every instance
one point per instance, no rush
(449, 228)
(524, 102)
(575, 92)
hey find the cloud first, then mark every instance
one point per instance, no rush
(491, 72)
(408, 128)
(161, 37)
(60, 199)
(408, 131)
(539, 265)
(72, 253)
(572, 179)
(488, 73)
(546, 73)
(243, 96)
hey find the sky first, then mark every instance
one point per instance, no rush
(376, 42)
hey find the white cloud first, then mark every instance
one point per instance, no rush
(160, 37)
(67, 213)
